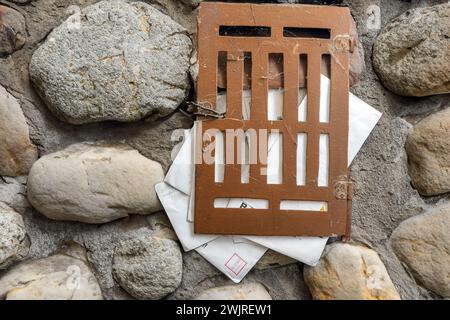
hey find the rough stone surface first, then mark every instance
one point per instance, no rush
(14, 243)
(192, 3)
(94, 183)
(181, 11)
(350, 272)
(383, 199)
(428, 148)
(246, 291)
(282, 283)
(423, 244)
(411, 53)
(148, 267)
(113, 61)
(12, 31)
(58, 277)
(17, 153)
(13, 193)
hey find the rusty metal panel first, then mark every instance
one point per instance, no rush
(273, 221)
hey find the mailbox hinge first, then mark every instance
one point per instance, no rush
(203, 110)
(343, 188)
(344, 42)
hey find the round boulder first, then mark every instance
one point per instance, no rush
(12, 30)
(428, 149)
(14, 243)
(148, 267)
(411, 55)
(423, 244)
(57, 277)
(17, 153)
(115, 60)
(349, 272)
(94, 183)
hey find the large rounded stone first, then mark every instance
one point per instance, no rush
(148, 267)
(349, 272)
(17, 153)
(12, 30)
(411, 55)
(423, 244)
(14, 243)
(58, 277)
(117, 60)
(428, 149)
(247, 291)
(94, 183)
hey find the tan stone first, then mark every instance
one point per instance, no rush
(349, 272)
(58, 277)
(94, 183)
(428, 148)
(17, 153)
(246, 291)
(14, 243)
(423, 244)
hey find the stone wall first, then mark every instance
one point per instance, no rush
(89, 100)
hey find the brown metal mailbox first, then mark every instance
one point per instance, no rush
(292, 31)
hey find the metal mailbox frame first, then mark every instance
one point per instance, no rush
(273, 221)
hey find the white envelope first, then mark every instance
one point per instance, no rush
(234, 256)
(176, 204)
(305, 249)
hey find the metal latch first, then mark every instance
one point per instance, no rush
(343, 188)
(203, 110)
(344, 42)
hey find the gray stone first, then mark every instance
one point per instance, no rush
(116, 60)
(12, 30)
(17, 153)
(148, 267)
(192, 3)
(182, 12)
(94, 183)
(428, 148)
(411, 54)
(245, 291)
(349, 272)
(423, 244)
(14, 243)
(58, 277)
(13, 193)
(282, 283)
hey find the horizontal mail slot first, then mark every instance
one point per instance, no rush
(245, 31)
(295, 32)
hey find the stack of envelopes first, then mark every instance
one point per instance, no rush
(235, 256)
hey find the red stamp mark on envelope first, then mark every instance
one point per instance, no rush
(235, 264)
